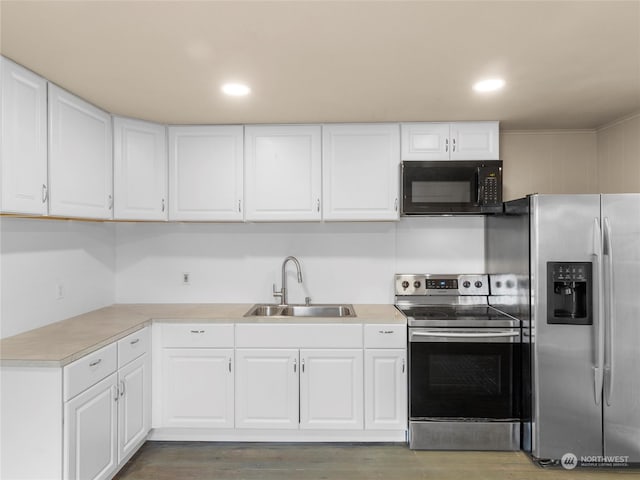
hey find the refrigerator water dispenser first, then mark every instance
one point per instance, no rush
(569, 297)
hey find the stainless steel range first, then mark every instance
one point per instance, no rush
(464, 364)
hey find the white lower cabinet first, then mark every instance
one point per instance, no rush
(134, 406)
(331, 395)
(385, 389)
(267, 388)
(90, 433)
(197, 387)
(106, 423)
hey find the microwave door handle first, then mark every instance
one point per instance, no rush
(480, 189)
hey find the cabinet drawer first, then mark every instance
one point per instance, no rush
(132, 346)
(385, 336)
(197, 335)
(280, 335)
(89, 370)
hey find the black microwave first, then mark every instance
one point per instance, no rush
(451, 187)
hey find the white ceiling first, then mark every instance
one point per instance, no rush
(573, 64)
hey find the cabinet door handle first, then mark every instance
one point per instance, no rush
(121, 388)
(453, 145)
(295, 365)
(45, 193)
(303, 365)
(403, 365)
(229, 364)
(163, 205)
(318, 204)
(239, 206)
(116, 393)
(97, 362)
(446, 145)
(395, 204)
(133, 342)
(110, 202)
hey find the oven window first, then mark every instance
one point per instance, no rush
(440, 192)
(470, 380)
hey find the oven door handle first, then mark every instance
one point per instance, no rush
(466, 334)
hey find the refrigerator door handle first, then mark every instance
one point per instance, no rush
(599, 340)
(607, 252)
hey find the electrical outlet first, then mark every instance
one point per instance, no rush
(59, 291)
(186, 278)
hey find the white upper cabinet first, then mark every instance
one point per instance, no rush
(206, 173)
(23, 140)
(283, 172)
(80, 157)
(360, 171)
(450, 141)
(140, 170)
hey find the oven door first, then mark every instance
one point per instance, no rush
(464, 373)
(445, 187)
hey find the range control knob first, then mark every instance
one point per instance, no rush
(466, 284)
(510, 284)
(416, 284)
(405, 284)
(478, 284)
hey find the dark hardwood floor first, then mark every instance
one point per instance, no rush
(306, 461)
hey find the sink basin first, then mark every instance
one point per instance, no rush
(270, 310)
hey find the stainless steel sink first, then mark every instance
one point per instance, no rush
(320, 310)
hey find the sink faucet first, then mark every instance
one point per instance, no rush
(282, 293)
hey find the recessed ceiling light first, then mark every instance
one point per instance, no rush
(236, 89)
(489, 85)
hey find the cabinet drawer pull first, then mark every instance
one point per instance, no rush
(93, 364)
(384, 332)
(133, 342)
(197, 331)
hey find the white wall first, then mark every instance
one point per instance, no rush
(548, 161)
(619, 156)
(38, 255)
(341, 262)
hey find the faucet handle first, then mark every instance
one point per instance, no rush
(277, 293)
(307, 301)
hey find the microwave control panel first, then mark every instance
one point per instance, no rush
(490, 178)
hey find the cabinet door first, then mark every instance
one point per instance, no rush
(134, 405)
(90, 432)
(23, 130)
(361, 165)
(80, 158)
(475, 141)
(140, 170)
(267, 384)
(283, 172)
(331, 389)
(197, 387)
(206, 173)
(385, 389)
(425, 141)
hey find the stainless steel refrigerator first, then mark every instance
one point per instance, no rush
(569, 267)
